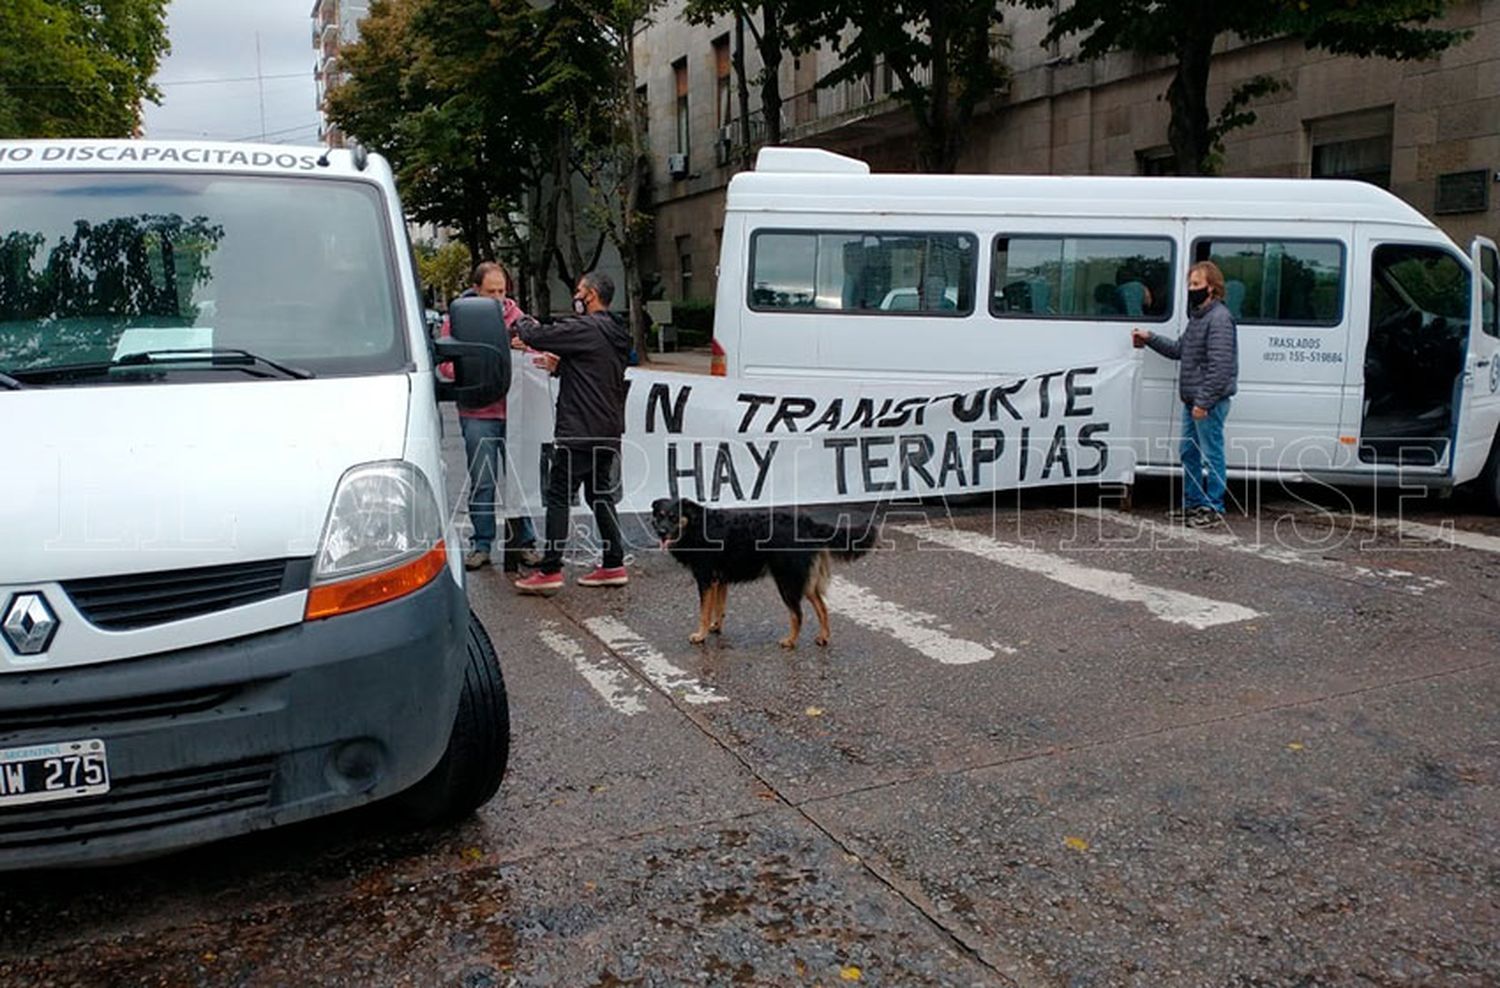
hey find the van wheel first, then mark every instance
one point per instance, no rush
(1487, 484)
(471, 768)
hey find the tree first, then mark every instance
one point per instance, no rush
(75, 68)
(443, 269)
(772, 38)
(611, 153)
(1185, 30)
(427, 87)
(943, 54)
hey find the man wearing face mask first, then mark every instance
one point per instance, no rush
(1209, 351)
(593, 347)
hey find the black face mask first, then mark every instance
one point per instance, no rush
(1197, 296)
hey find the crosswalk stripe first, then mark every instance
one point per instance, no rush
(914, 629)
(1174, 606)
(629, 645)
(614, 684)
(1401, 579)
(1439, 534)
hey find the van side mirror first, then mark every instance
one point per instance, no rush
(480, 351)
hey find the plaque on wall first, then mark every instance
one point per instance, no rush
(1463, 192)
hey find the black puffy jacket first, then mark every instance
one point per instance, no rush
(1210, 353)
(594, 350)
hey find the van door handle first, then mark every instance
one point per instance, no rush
(1482, 363)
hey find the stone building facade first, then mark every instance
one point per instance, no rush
(1429, 131)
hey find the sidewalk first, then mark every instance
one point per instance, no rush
(687, 361)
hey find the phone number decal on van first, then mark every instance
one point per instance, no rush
(1299, 350)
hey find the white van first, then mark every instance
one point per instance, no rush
(230, 592)
(1368, 351)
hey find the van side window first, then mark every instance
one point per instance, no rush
(928, 274)
(1060, 277)
(1279, 282)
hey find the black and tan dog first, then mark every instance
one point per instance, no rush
(724, 546)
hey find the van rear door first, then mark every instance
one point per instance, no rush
(1479, 398)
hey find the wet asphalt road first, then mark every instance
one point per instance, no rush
(1117, 755)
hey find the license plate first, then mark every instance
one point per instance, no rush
(44, 772)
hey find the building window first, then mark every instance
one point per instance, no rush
(680, 77)
(643, 106)
(873, 273)
(1353, 146)
(723, 109)
(1065, 277)
(1156, 161)
(685, 266)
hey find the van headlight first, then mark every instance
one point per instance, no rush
(383, 540)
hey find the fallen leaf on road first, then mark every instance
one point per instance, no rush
(1295, 746)
(851, 973)
(814, 711)
(1076, 843)
(473, 853)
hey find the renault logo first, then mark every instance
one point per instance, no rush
(29, 624)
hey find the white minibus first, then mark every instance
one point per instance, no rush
(231, 595)
(1368, 348)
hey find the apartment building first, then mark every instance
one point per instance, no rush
(335, 23)
(1428, 131)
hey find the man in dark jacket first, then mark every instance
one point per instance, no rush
(1209, 351)
(594, 347)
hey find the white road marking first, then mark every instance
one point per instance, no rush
(914, 629)
(618, 688)
(1446, 535)
(1173, 606)
(629, 645)
(1403, 580)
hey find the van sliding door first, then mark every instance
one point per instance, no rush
(1287, 286)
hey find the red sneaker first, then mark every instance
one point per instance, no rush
(601, 577)
(542, 584)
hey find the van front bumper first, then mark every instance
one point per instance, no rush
(209, 742)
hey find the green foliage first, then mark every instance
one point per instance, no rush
(694, 319)
(1185, 30)
(78, 68)
(434, 86)
(444, 269)
(942, 53)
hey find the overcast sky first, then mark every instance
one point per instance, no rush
(215, 40)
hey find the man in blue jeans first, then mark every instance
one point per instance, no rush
(1209, 351)
(484, 444)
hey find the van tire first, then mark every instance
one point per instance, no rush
(1487, 484)
(478, 751)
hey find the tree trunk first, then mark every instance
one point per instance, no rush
(1188, 98)
(938, 152)
(636, 175)
(770, 73)
(742, 85)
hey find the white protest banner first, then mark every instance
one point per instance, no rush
(762, 441)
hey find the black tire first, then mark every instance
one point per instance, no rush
(474, 763)
(1487, 484)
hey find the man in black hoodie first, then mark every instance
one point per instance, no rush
(594, 347)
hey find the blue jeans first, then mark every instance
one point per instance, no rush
(484, 445)
(1203, 446)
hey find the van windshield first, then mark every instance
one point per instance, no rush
(95, 267)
